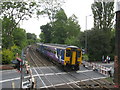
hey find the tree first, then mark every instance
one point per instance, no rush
(20, 37)
(99, 38)
(73, 30)
(58, 28)
(11, 14)
(17, 10)
(62, 31)
(103, 15)
(98, 44)
(7, 34)
(46, 33)
(50, 8)
(31, 38)
(81, 39)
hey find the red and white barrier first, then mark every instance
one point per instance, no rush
(101, 69)
(29, 71)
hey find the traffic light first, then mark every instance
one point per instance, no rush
(18, 63)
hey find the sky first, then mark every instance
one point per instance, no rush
(80, 8)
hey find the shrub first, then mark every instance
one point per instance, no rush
(15, 49)
(7, 56)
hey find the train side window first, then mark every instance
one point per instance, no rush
(78, 53)
(68, 53)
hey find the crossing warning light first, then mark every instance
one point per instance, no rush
(18, 64)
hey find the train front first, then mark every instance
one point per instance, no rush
(73, 58)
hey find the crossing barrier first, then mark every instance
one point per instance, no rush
(29, 72)
(97, 67)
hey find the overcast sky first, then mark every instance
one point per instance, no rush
(81, 8)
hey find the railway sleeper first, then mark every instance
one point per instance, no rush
(82, 85)
(106, 84)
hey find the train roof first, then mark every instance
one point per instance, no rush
(58, 45)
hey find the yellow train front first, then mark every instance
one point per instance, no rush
(72, 58)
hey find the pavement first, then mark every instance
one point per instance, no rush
(6, 67)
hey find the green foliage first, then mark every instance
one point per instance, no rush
(98, 44)
(100, 39)
(31, 38)
(15, 49)
(81, 39)
(11, 14)
(45, 35)
(50, 8)
(85, 57)
(30, 41)
(7, 56)
(18, 10)
(58, 28)
(103, 15)
(72, 31)
(20, 38)
(13, 37)
(10, 54)
(62, 31)
(7, 39)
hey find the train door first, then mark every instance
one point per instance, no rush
(60, 55)
(73, 57)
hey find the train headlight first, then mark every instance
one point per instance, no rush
(66, 61)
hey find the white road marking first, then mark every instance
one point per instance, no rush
(42, 75)
(84, 71)
(74, 82)
(9, 80)
(40, 78)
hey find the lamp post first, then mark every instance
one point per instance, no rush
(117, 47)
(86, 33)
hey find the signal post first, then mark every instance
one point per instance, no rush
(117, 46)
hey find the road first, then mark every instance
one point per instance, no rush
(58, 77)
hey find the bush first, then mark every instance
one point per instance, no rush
(15, 49)
(7, 56)
(10, 54)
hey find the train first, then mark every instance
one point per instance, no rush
(69, 57)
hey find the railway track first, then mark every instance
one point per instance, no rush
(38, 62)
(46, 65)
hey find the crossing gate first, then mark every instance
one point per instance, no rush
(97, 67)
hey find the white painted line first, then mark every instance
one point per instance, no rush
(93, 79)
(74, 82)
(9, 80)
(49, 74)
(84, 71)
(41, 75)
(60, 84)
(61, 73)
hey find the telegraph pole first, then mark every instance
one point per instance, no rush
(117, 46)
(86, 44)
